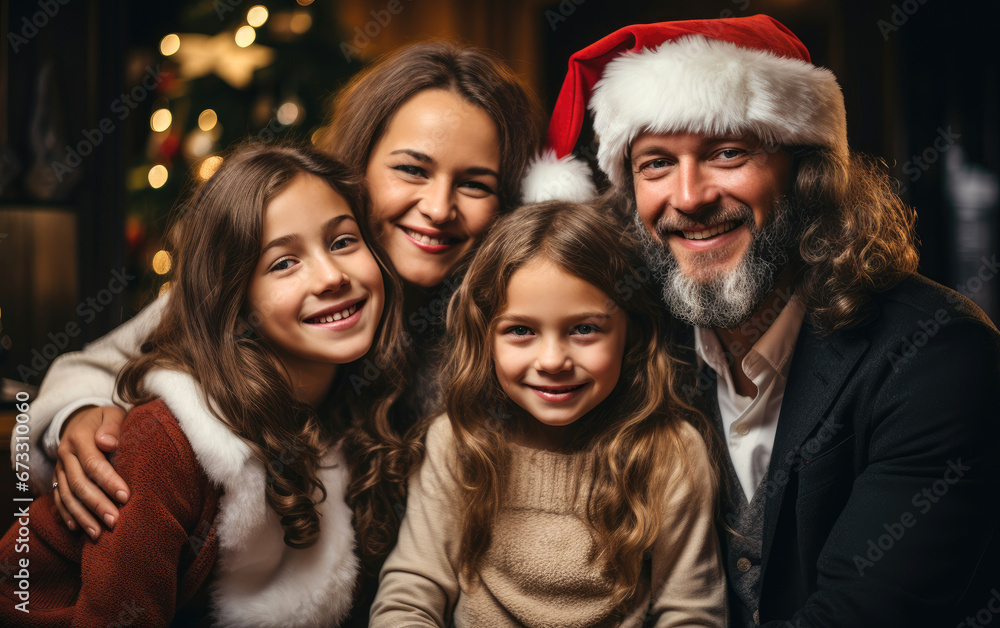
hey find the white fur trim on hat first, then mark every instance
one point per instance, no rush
(551, 178)
(710, 86)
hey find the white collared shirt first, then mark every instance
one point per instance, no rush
(749, 423)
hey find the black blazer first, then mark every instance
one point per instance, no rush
(884, 480)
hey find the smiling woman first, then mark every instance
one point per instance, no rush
(434, 182)
(443, 133)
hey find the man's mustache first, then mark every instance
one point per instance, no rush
(707, 217)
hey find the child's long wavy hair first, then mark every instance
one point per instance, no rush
(202, 334)
(632, 438)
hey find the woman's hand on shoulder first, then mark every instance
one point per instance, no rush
(85, 477)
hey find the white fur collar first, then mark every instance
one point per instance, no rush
(260, 581)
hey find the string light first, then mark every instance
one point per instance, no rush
(160, 120)
(288, 113)
(256, 16)
(245, 36)
(161, 262)
(157, 176)
(209, 167)
(197, 144)
(170, 44)
(207, 120)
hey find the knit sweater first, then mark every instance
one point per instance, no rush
(153, 565)
(196, 531)
(537, 571)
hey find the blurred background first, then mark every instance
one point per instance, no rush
(109, 108)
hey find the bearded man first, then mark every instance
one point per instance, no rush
(854, 400)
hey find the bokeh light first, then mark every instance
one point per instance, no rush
(160, 120)
(170, 44)
(157, 176)
(256, 16)
(209, 167)
(245, 36)
(207, 120)
(161, 262)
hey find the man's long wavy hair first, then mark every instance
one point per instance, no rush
(631, 439)
(859, 236)
(203, 333)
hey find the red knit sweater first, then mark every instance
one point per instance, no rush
(152, 567)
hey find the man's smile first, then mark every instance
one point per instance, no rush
(708, 232)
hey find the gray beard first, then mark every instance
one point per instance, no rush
(728, 299)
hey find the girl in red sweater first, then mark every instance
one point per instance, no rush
(242, 392)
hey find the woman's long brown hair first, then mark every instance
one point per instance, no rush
(632, 439)
(202, 333)
(389, 446)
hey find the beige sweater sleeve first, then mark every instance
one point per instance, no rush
(688, 582)
(78, 379)
(418, 585)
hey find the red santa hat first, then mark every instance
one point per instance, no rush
(722, 76)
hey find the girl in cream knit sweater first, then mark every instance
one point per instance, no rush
(564, 487)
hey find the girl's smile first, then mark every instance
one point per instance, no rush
(557, 394)
(558, 344)
(317, 292)
(339, 317)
